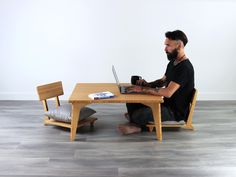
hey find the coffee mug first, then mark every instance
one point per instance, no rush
(134, 79)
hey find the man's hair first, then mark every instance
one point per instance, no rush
(177, 35)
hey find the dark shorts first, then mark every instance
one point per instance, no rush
(141, 114)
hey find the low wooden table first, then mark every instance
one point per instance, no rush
(79, 98)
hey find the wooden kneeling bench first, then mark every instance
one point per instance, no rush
(54, 90)
(87, 121)
(173, 124)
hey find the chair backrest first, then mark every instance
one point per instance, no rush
(192, 106)
(48, 91)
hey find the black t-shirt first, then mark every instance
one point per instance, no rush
(182, 74)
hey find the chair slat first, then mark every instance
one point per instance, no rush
(50, 90)
(192, 107)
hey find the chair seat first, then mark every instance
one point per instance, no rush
(63, 113)
(165, 124)
(169, 123)
(86, 121)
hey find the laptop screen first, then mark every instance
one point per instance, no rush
(115, 75)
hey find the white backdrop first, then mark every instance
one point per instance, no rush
(43, 41)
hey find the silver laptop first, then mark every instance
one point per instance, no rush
(123, 89)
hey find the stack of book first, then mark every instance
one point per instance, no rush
(101, 95)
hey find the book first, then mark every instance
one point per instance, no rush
(101, 95)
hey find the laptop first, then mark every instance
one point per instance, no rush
(123, 89)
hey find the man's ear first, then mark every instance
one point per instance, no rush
(181, 44)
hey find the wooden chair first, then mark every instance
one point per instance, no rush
(54, 90)
(188, 124)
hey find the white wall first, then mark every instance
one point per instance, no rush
(42, 41)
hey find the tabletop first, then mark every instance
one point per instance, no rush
(82, 90)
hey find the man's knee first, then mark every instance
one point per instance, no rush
(132, 107)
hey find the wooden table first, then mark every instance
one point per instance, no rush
(79, 98)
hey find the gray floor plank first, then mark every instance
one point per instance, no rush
(28, 148)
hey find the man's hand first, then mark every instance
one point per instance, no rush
(141, 82)
(136, 89)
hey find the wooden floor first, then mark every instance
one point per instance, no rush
(28, 148)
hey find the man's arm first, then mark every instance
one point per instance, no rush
(157, 83)
(166, 92)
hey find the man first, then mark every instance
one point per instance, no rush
(176, 86)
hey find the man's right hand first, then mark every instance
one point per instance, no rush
(141, 82)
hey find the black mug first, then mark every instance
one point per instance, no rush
(134, 79)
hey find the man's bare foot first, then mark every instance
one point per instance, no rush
(126, 129)
(127, 116)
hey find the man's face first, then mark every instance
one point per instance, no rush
(171, 49)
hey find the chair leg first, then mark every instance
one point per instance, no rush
(92, 123)
(88, 121)
(188, 127)
(150, 127)
(46, 119)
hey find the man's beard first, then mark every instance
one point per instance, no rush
(173, 55)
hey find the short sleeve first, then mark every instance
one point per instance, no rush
(181, 76)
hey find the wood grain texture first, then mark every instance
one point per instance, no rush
(79, 98)
(28, 148)
(82, 90)
(50, 90)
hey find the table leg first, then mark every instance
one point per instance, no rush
(156, 110)
(75, 119)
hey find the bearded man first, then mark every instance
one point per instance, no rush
(176, 86)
